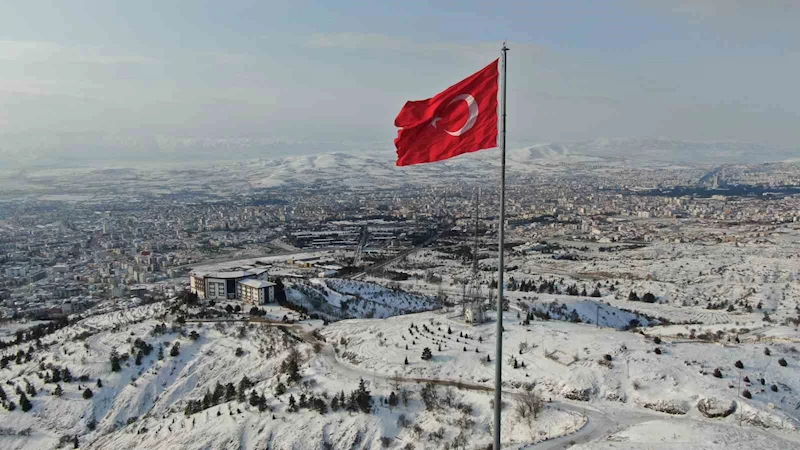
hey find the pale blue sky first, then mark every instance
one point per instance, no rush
(341, 70)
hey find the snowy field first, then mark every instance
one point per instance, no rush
(664, 345)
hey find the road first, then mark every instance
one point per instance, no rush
(397, 258)
(600, 423)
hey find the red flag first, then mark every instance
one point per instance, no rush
(461, 119)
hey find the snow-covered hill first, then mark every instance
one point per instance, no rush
(338, 298)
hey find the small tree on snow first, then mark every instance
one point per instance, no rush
(427, 355)
(24, 403)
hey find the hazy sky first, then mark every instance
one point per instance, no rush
(341, 69)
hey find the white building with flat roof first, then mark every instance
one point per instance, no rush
(256, 292)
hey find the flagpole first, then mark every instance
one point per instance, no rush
(498, 359)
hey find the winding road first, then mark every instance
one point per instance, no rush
(599, 424)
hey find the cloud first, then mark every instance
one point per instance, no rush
(39, 51)
(748, 8)
(376, 41)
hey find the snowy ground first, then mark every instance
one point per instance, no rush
(339, 298)
(653, 386)
(568, 361)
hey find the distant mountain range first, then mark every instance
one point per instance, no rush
(78, 149)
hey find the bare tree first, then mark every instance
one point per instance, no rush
(528, 405)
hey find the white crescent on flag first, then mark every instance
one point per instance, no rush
(473, 114)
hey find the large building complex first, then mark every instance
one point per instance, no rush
(248, 285)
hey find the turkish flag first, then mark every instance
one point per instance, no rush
(461, 119)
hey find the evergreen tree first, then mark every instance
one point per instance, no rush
(292, 403)
(56, 377)
(363, 398)
(230, 392)
(99, 383)
(30, 389)
(207, 403)
(293, 369)
(393, 400)
(175, 350)
(87, 393)
(255, 399)
(190, 408)
(24, 403)
(406, 362)
(66, 375)
(160, 352)
(3, 396)
(58, 392)
(218, 395)
(262, 403)
(427, 354)
(335, 403)
(352, 402)
(319, 405)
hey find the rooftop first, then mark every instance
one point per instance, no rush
(231, 274)
(258, 284)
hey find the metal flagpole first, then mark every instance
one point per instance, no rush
(498, 359)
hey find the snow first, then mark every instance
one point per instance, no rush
(667, 434)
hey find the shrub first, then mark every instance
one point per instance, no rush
(782, 362)
(607, 357)
(717, 373)
(657, 340)
(87, 394)
(774, 388)
(657, 351)
(747, 394)
(738, 365)
(766, 351)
